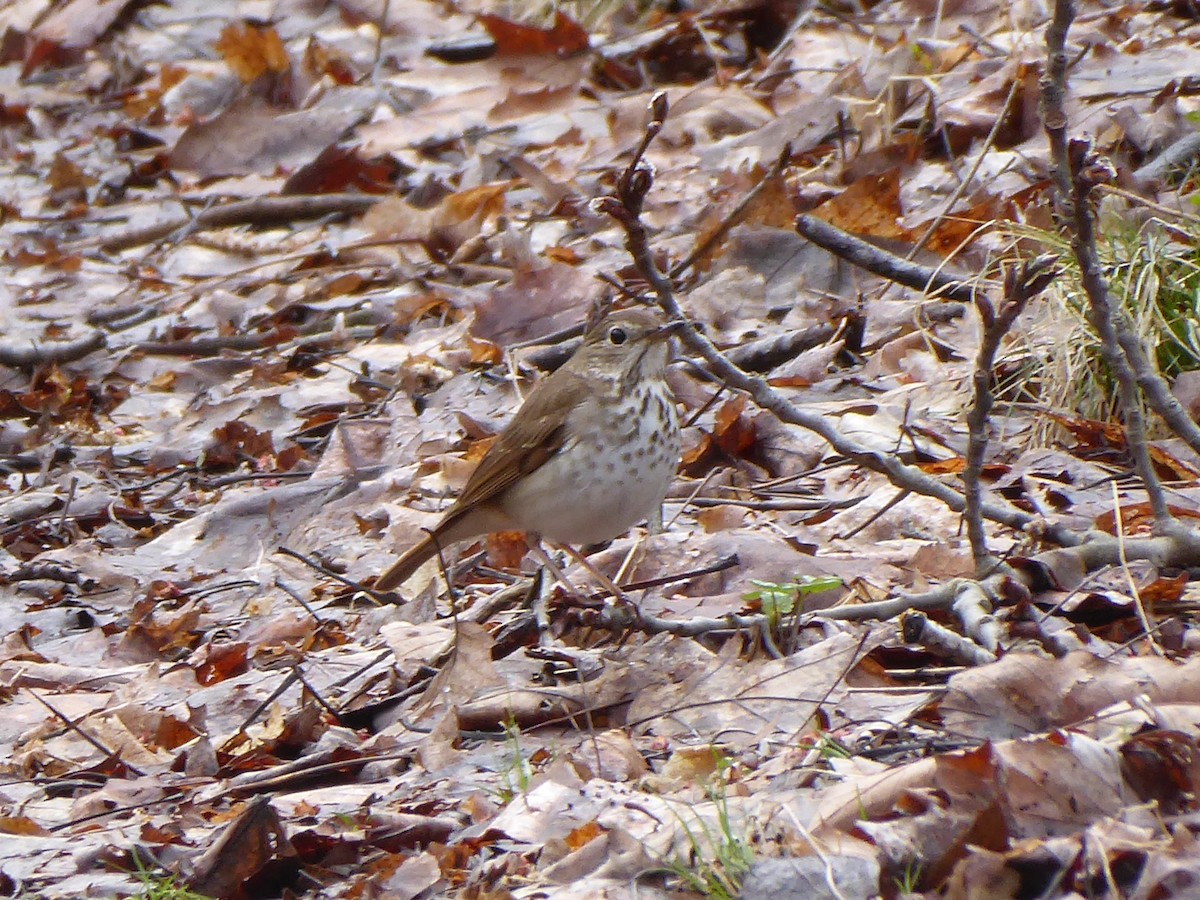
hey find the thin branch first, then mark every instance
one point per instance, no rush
(1153, 386)
(1022, 283)
(1078, 170)
(239, 735)
(1054, 89)
(766, 353)
(1088, 170)
(711, 239)
(915, 628)
(887, 265)
(1181, 153)
(256, 211)
(316, 695)
(357, 587)
(295, 595)
(71, 724)
(30, 355)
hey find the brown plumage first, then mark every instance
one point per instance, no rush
(589, 454)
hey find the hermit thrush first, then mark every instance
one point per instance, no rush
(590, 453)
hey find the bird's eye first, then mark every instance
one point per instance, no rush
(617, 336)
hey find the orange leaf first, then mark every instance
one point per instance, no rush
(951, 466)
(251, 52)
(1138, 517)
(506, 549)
(485, 200)
(512, 39)
(732, 430)
(1166, 590)
(563, 255)
(584, 834)
(483, 352)
(692, 456)
(869, 207)
(20, 825)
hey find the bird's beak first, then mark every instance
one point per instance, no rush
(669, 330)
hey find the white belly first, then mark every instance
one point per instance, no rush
(603, 483)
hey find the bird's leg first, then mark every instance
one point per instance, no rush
(544, 559)
(654, 521)
(618, 595)
(629, 611)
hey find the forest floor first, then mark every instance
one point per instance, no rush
(277, 271)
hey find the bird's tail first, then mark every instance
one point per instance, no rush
(403, 568)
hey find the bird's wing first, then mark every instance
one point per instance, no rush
(536, 433)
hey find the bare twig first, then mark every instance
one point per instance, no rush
(887, 265)
(899, 497)
(72, 487)
(1054, 89)
(1088, 170)
(295, 595)
(305, 769)
(973, 609)
(1181, 153)
(635, 181)
(71, 724)
(1022, 283)
(614, 618)
(22, 356)
(377, 596)
(794, 504)
(720, 565)
(915, 628)
(1154, 387)
(50, 571)
(257, 211)
(316, 695)
(1078, 169)
(768, 352)
(239, 734)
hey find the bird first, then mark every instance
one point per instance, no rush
(590, 453)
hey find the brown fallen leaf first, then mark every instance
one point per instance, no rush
(251, 51)
(253, 839)
(870, 208)
(564, 38)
